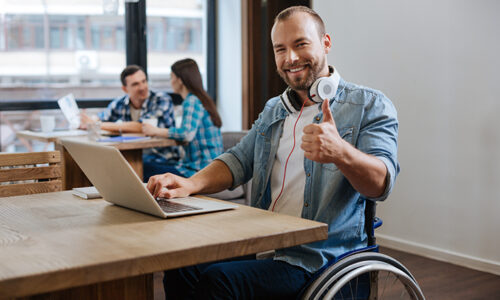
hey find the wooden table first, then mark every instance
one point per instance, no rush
(70, 248)
(49, 137)
(73, 176)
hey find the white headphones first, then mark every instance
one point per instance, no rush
(322, 88)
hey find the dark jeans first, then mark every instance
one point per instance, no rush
(236, 279)
(154, 165)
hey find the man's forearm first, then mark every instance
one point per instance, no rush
(366, 173)
(213, 178)
(124, 127)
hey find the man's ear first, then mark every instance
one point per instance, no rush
(124, 88)
(327, 42)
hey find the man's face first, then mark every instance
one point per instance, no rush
(299, 51)
(137, 88)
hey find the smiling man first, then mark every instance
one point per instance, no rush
(125, 114)
(347, 156)
(300, 50)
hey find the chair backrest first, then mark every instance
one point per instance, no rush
(242, 193)
(231, 138)
(370, 209)
(30, 173)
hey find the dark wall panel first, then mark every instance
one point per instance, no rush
(260, 79)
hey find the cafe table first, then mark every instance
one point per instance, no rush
(72, 175)
(58, 246)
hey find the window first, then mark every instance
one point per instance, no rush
(173, 34)
(24, 32)
(44, 52)
(120, 38)
(175, 31)
(184, 34)
(78, 46)
(156, 32)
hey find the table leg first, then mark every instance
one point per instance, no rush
(72, 175)
(134, 158)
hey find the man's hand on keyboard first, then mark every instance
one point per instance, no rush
(169, 186)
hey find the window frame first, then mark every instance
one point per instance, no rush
(42, 104)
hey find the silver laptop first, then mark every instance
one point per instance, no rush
(117, 182)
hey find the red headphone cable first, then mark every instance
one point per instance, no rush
(286, 163)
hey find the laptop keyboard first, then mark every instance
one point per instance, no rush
(172, 207)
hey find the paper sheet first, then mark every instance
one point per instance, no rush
(70, 110)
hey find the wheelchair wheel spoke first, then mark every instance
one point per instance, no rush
(356, 288)
(385, 284)
(350, 287)
(394, 283)
(402, 294)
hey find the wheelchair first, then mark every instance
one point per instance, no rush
(364, 273)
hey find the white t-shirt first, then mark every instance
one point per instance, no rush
(291, 200)
(135, 113)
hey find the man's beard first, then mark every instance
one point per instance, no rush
(301, 83)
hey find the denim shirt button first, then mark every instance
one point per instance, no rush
(317, 118)
(308, 174)
(262, 133)
(306, 204)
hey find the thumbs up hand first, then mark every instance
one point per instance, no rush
(322, 142)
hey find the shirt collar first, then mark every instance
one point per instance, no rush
(144, 104)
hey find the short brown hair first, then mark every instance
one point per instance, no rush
(130, 70)
(288, 12)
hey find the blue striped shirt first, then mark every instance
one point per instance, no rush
(203, 140)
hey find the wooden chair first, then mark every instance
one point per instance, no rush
(28, 173)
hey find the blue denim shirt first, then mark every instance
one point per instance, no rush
(365, 118)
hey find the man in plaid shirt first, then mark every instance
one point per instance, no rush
(125, 114)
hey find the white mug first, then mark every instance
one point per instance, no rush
(47, 123)
(151, 121)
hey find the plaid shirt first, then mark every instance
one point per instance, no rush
(203, 138)
(158, 105)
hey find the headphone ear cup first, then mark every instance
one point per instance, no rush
(322, 88)
(287, 100)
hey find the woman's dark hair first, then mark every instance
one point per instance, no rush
(187, 70)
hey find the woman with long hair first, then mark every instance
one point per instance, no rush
(199, 132)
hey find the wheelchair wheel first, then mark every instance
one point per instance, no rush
(365, 276)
